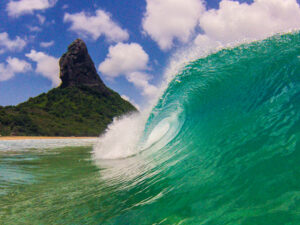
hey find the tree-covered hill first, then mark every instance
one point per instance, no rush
(81, 106)
(72, 111)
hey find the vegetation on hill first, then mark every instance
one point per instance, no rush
(71, 111)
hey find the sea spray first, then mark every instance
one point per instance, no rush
(121, 138)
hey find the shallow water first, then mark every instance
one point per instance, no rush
(48, 186)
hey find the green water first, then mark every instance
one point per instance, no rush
(222, 146)
(58, 186)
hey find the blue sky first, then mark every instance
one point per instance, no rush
(129, 41)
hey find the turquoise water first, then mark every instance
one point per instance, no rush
(222, 146)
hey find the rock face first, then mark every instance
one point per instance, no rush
(78, 69)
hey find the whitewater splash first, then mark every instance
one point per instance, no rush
(121, 137)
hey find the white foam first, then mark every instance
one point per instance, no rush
(121, 137)
(20, 145)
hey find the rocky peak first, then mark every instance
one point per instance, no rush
(78, 69)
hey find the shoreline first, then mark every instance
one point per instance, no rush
(12, 138)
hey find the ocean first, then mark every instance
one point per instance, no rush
(220, 146)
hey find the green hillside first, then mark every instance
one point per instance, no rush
(71, 111)
(81, 106)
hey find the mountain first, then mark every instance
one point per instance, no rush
(81, 106)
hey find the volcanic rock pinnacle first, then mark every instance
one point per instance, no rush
(78, 69)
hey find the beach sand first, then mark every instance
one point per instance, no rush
(38, 138)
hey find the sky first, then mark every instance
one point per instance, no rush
(131, 42)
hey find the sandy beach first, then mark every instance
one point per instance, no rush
(7, 138)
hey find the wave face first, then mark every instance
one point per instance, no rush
(222, 144)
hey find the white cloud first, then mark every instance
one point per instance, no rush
(41, 18)
(11, 45)
(47, 44)
(12, 67)
(206, 43)
(21, 7)
(96, 25)
(34, 28)
(18, 65)
(167, 20)
(47, 66)
(128, 60)
(123, 59)
(235, 21)
(125, 97)
(141, 81)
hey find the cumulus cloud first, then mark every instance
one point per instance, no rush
(12, 67)
(96, 25)
(206, 42)
(9, 44)
(128, 60)
(141, 81)
(47, 44)
(235, 21)
(21, 7)
(124, 58)
(47, 66)
(167, 20)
